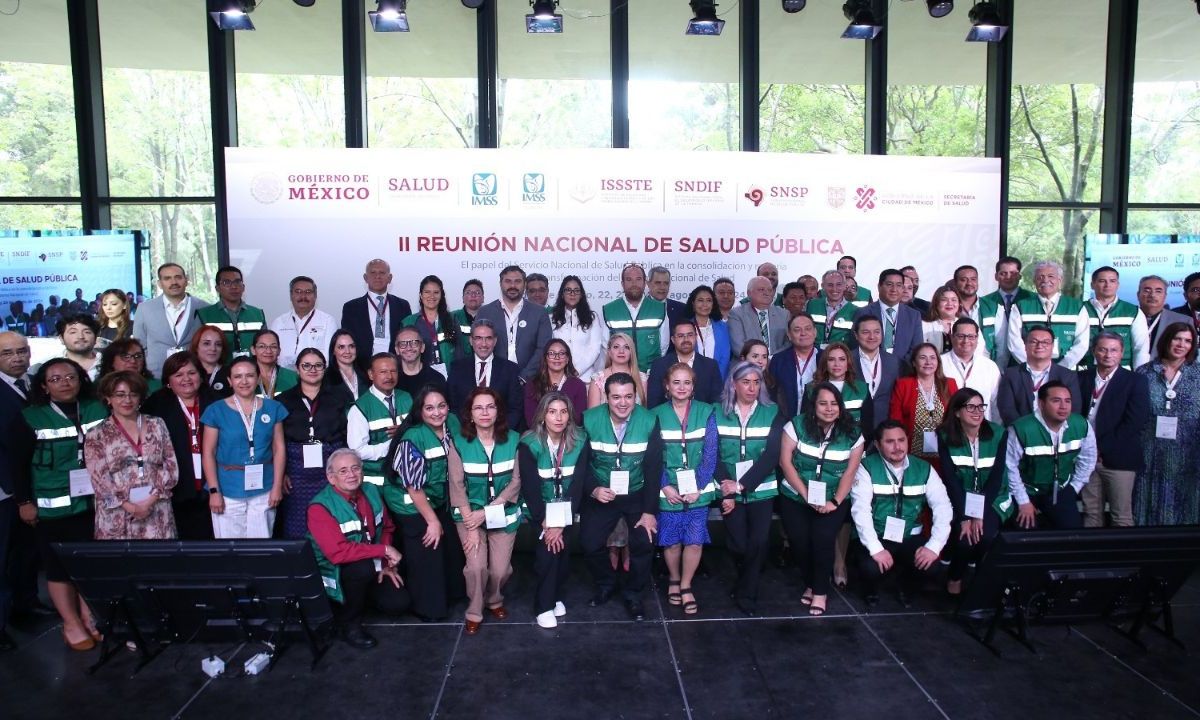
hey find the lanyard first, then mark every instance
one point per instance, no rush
(237, 336)
(1049, 310)
(974, 444)
(1151, 325)
(351, 381)
(965, 369)
(744, 424)
(137, 446)
(801, 371)
(78, 423)
(874, 372)
(896, 486)
(312, 416)
(824, 449)
(303, 327)
(1101, 386)
(1170, 394)
(1054, 440)
(248, 422)
(1039, 379)
(268, 387)
(700, 337)
(1104, 315)
(187, 303)
(556, 459)
(929, 398)
(380, 307)
(192, 415)
(683, 433)
(491, 486)
(620, 439)
(212, 377)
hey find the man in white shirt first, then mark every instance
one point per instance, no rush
(379, 413)
(1064, 316)
(165, 325)
(78, 335)
(969, 368)
(891, 490)
(879, 370)
(304, 326)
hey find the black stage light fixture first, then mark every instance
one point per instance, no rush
(939, 8)
(234, 15)
(473, 4)
(543, 19)
(863, 24)
(986, 23)
(794, 6)
(390, 16)
(704, 19)
(305, 3)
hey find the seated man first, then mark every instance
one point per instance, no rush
(1050, 457)
(351, 534)
(891, 491)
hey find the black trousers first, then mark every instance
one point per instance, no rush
(902, 565)
(434, 575)
(748, 534)
(552, 570)
(1061, 515)
(596, 523)
(961, 553)
(8, 518)
(360, 585)
(812, 536)
(23, 564)
(193, 520)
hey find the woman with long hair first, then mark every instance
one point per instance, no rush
(938, 324)
(556, 373)
(272, 378)
(438, 328)
(712, 332)
(919, 402)
(343, 371)
(836, 368)
(208, 346)
(621, 356)
(114, 318)
(553, 457)
(1165, 490)
(573, 321)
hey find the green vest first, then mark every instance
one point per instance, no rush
(285, 379)
(853, 396)
(989, 307)
(644, 329)
(17, 323)
(250, 321)
(1120, 321)
(427, 442)
(911, 497)
(444, 351)
(464, 332)
(352, 527)
(835, 329)
(486, 477)
(608, 455)
(56, 452)
(973, 477)
(815, 461)
(1041, 466)
(378, 421)
(683, 451)
(1061, 322)
(551, 490)
(735, 447)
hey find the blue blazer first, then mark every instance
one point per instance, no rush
(783, 372)
(722, 353)
(1124, 412)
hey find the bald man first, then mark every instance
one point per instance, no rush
(373, 320)
(770, 272)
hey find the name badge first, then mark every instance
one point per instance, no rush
(313, 456)
(494, 517)
(893, 529)
(742, 468)
(685, 481)
(254, 477)
(1165, 427)
(378, 565)
(1056, 351)
(558, 514)
(440, 368)
(974, 506)
(241, 353)
(197, 466)
(177, 349)
(81, 483)
(816, 493)
(929, 441)
(138, 494)
(618, 482)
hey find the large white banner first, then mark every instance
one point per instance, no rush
(464, 214)
(32, 268)
(1138, 258)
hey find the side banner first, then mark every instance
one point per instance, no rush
(463, 214)
(34, 268)
(1170, 261)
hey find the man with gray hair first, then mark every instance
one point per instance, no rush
(759, 319)
(1064, 316)
(484, 368)
(832, 314)
(1152, 301)
(659, 288)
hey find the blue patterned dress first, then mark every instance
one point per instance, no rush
(690, 527)
(1167, 491)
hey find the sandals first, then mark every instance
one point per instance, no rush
(839, 581)
(691, 607)
(673, 598)
(815, 609)
(806, 598)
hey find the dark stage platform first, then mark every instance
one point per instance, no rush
(887, 664)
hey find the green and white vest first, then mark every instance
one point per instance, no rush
(250, 321)
(814, 462)
(353, 528)
(683, 451)
(1119, 320)
(645, 329)
(907, 502)
(378, 421)
(57, 450)
(554, 483)
(608, 455)
(973, 477)
(1061, 322)
(835, 329)
(988, 308)
(464, 332)
(485, 477)
(285, 379)
(1042, 464)
(853, 396)
(396, 496)
(737, 445)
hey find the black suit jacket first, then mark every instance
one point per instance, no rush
(881, 399)
(921, 306)
(782, 370)
(909, 333)
(708, 379)
(1014, 398)
(505, 380)
(11, 404)
(165, 405)
(356, 319)
(676, 311)
(1124, 412)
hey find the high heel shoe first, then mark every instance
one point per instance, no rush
(82, 646)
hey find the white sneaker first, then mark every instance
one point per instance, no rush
(559, 609)
(547, 620)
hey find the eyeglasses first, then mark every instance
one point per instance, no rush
(484, 408)
(274, 348)
(556, 354)
(62, 379)
(473, 293)
(303, 291)
(1040, 343)
(125, 396)
(18, 352)
(572, 291)
(348, 471)
(130, 357)
(312, 367)
(964, 336)
(230, 283)
(975, 407)
(408, 343)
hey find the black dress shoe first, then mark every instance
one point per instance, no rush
(602, 596)
(6, 642)
(356, 637)
(635, 609)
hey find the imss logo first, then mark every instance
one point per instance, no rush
(483, 189)
(533, 187)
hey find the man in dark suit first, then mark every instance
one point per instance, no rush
(1152, 300)
(879, 370)
(916, 303)
(901, 324)
(522, 328)
(14, 391)
(484, 368)
(683, 350)
(1191, 299)
(793, 368)
(374, 319)
(1020, 383)
(1116, 402)
(659, 287)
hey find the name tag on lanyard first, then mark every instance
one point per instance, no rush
(558, 514)
(494, 517)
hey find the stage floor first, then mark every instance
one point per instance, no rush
(886, 664)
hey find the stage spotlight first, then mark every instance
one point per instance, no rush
(390, 16)
(234, 15)
(473, 4)
(305, 3)
(543, 19)
(795, 6)
(939, 8)
(986, 23)
(704, 19)
(863, 25)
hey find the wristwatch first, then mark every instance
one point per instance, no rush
(213, 490)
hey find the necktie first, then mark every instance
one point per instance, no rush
(889, 329)
(20, 383)
(391, 407)
(762, 327)
(1047, 307)
(379, 308)
(482, 374)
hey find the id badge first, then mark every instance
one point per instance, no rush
(138, 494)
(974, 506)
(929, 441)
(1056, 353)
(81, 483)
(816, 493)
(312, 456)
(254, 477)
(742, 468)
(197, 466)
(558, 514)
(685, 482)
(893, 529)
(494, 517)
(618, 482)
(378, 565)
(1165, 427)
